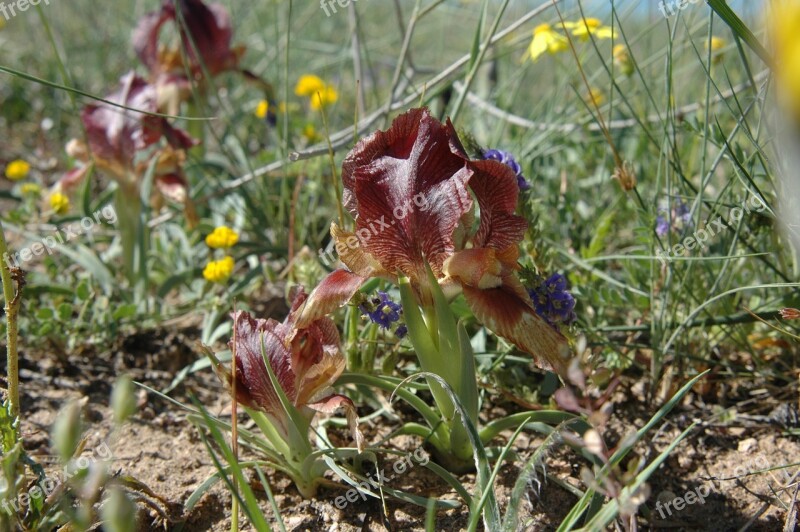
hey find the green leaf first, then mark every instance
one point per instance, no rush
(125, 311)
(64, 311)
(740, 29)
(45, 314)
(83, 291)
(9, 428)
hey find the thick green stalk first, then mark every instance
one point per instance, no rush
(12, 306)
(129, 209)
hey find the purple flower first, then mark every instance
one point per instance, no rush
(662, 226)
(552, 301)
(508, 160)
(680, 218)
(383, 311)
(683, 213)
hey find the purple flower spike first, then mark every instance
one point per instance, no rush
(552, 301)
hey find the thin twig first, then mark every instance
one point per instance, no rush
(589, 123)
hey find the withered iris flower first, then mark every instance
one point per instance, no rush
(413, 191)
(305, 361)
(205, 47)
(205, 32)
(116, 136)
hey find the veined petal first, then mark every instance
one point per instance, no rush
(332, 292)
(334, 402)
(495, 186)
(253, 385)
(408, 185)
(317, 360)
(507, 310)
(352, 254)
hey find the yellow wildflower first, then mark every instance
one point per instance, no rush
(222, 237)
(218, 271)
(785, 33)
(594, 97)
(717, 46)
(590, 26)
(622, 58)
(261, 109)
(545, 39)
(18, 169)
(59, 203)
(309, 85)
(30, 189)
(326, 96)
(310, 132)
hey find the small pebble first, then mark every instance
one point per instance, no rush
(747, 445)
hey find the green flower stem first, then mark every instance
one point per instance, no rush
(12, 308)
(443, 348)
(128, 208)
(351, 341)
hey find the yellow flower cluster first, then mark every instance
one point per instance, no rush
(222, 237)
(546, 39)
(59, 203)
(319, 93)
(18, 169)
(219, 271)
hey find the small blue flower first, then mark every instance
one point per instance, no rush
(662, 226)
(680, 218)
(683, 213)
(383, 311)
(508, 160)
(552, 301)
